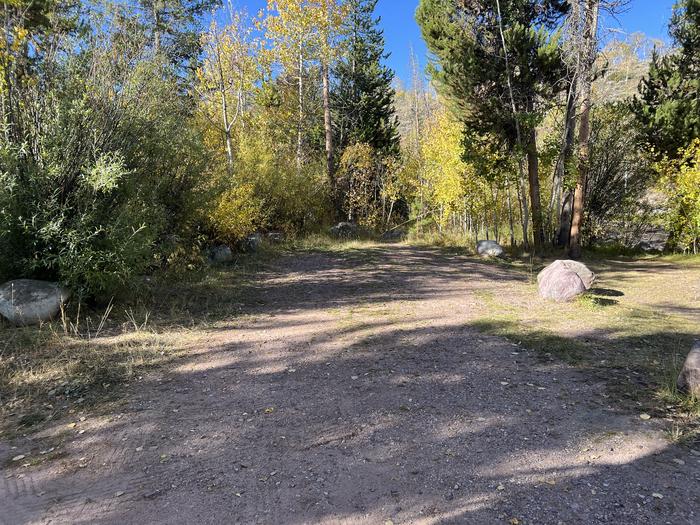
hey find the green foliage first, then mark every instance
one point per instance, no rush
(117, 158)
(371, 187)
(457, 182)
(173, 27)
(499, 65)
(363, 97)
(237, 214)
(451, 183)
(68, 215)
(618, 180)
(469, 65)
(281, 195)
(100, 167)
(680, 180)
(359, 178)
(668, 106)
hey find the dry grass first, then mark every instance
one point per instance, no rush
(91, 353)
(632, 330)
(45, 372)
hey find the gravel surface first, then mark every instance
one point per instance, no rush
(356, 391)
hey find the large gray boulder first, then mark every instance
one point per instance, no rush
(220, 254)
(563, 280)
(689, 378)
(489, 249)
(580, 269)
(27, 302)
(561, 286)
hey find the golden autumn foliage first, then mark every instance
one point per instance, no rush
(237, 213)
(680, 180)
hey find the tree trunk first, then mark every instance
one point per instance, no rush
(300, 123)
(534, 179)
(415, 103)
(522, 201)
(586, 80)
(327, 124)
(12, 118)
(156, 27)
(391, 210)
(567, 205)
(229, 149)
(300, 131)
(224, 109)
(567, 145)
(494, 212)
(510, 215)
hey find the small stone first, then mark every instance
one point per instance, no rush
(489, 249)
(645, 417)
(657, 495)
(19, 458)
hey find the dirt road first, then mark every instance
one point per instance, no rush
(356, 391)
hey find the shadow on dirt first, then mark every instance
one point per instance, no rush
(358, 391)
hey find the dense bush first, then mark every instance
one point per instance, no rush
(101, 175)
(369, 186)
(680, 180)
(619, 179)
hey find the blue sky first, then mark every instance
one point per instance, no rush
(401, 31)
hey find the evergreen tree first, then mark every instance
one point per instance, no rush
(363, 97)
(498, 62)
(668, 107)
(174, 26)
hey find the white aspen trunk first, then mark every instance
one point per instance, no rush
(327, 123)
(300, 131)
(510, 214)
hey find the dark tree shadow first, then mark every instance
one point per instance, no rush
(607, 292)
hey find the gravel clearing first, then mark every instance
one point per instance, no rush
(356, 391)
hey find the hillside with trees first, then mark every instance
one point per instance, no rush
(135, 137)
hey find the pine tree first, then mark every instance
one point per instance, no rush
(363, 96)
(174, 26)
(668, 107)
(499, 63)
